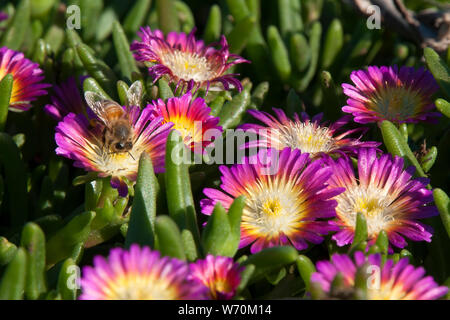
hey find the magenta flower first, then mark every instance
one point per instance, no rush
(219, 274)
(3, 16)
(387, 196)
(190, 117)
(27, 79)
(66, 99)
(81, 140)
(387, 93)
(138, 274)
(186, 61)
(308, 135)
(286, 198)
(388, 281)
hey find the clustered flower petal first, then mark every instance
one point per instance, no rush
(287, 198)
(221, 275)
(309, 135)
(142, 274)
(138, 274)
(388, 93)
(185, 60)
(389, 281)
(191, 117)
(386, 194)
(27, 79)
(295, 192)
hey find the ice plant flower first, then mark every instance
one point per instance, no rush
(27, 79)
(190, 117)
(82, 140)
(66, 99)
(287, 199)
(221, 275)
(185, 60)
(138, 274)
(309, 135)
(389, 281)
(388, 93)
(385, 194)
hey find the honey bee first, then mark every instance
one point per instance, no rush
(118, 132)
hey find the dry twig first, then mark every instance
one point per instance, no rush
(428, 28)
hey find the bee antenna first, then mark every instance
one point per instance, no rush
(131, 155)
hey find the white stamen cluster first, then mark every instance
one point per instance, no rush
(272, 208)
(372, 202)
(304, 136)
(188, 66)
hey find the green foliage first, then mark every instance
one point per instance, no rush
(6, 85)
(54, 217)
(141, 227)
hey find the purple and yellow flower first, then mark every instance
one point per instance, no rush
(66, 99)
(309, 135)
(385, 194)
(138, 274)
(186, 61)
(287, 199)
(389, 281)
(220, 275)
(82, 140)
(388, 93)
(191, 118)
(27, 79)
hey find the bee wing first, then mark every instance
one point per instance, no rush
(98, 103)
(134, 94)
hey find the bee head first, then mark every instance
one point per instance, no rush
(123, 146)
(121, 132)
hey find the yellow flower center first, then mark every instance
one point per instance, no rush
(272, 207)
(140, 287)
(189, 129)
(219, 285)
(369, 207)
(387, 292)
(373, 203)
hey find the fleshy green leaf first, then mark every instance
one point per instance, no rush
(170, 242)
(142, 217)
(33, 241)
(6, 85)
(439, 69)
(12, 284)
